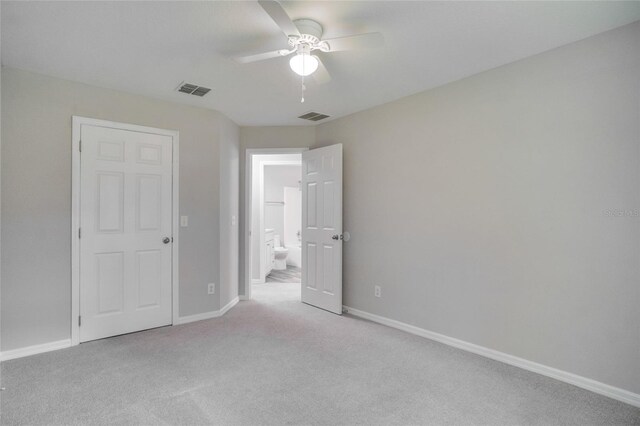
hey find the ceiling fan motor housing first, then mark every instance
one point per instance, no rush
(310, 34)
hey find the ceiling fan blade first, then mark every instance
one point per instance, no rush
(360, 41)
(321, 75)
(277, 13)
(258, 57)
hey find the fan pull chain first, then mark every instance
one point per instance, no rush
(302, 88)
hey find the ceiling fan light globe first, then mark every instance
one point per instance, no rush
(304, 64)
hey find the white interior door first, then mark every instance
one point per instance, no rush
(126, 224)
(322, 228)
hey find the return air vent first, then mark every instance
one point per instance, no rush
(193, 89)
(313, 116)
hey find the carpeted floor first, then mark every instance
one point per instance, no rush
(274, 360)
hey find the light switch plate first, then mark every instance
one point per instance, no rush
(184, 221)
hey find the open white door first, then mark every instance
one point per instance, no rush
(322, 228)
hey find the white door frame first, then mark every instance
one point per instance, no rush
(248, 189)
(77, 123)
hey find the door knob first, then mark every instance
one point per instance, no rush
(166, 240)
(336, 237)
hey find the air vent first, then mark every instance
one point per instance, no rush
(193, 89)
(313, 116)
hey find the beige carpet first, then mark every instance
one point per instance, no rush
(277, 361)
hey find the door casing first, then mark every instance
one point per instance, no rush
(77, 123)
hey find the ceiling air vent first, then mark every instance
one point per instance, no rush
(193, 89)
(313, 116)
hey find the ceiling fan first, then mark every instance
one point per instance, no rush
(304, 38)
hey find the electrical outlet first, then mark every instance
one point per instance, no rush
(211, 289)
(377, 291)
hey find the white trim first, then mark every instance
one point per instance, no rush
(67, 343)
(233, 302)
(248, 184)
(77, 123)
(564, 376)
(63, 344)
(75, 225)
(207, 315)
(35, 349)
(197, 317)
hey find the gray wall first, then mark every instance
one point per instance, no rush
(36, 198)
(229, 219)
(265, 137)
(482, 208)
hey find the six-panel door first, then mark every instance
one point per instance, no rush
(322, 228)
(126, 213)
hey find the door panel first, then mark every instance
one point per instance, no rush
(322, 228)
(149, 202)
(148, 274)
(125, 212)
(110, 202)
(110, 280)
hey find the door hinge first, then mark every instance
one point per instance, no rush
(79, 232)
(80, 146)
(79, 320)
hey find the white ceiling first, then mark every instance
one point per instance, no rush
(148, 48)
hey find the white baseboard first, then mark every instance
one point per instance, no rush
(564, 376)
(207, 315)
(197, 317)
(62, 344)
(35, 349)
(229, 305)
(244, 297)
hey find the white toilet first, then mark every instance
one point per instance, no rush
(280, 253)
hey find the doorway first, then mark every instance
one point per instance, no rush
(274, 212)
(124, 230)
(320, 235)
